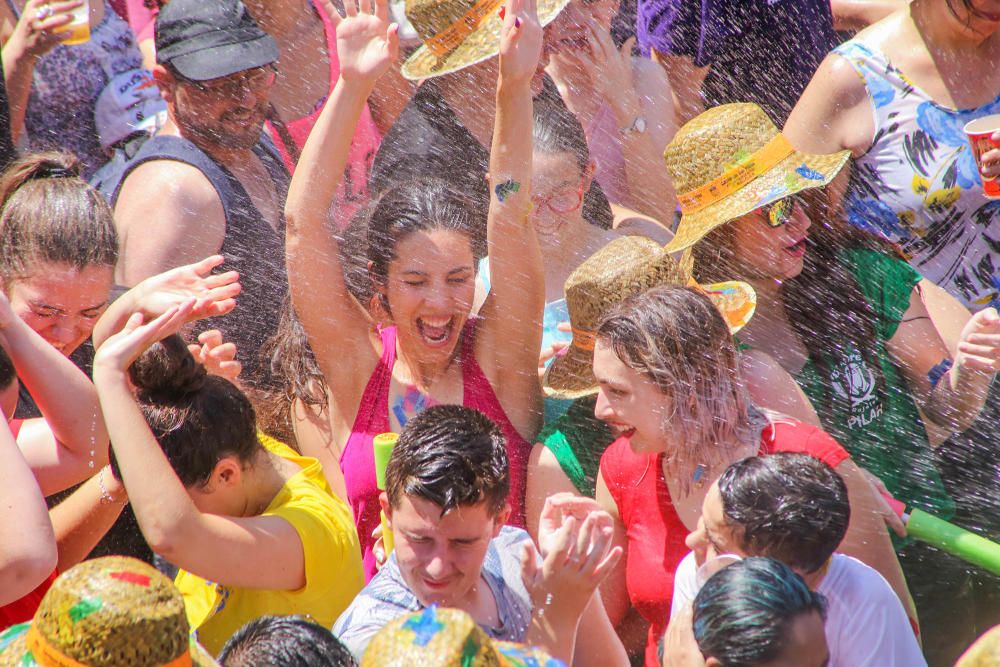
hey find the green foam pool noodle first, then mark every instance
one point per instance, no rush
(383, 445)
(957, 541)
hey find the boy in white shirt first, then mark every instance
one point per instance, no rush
(794, 508)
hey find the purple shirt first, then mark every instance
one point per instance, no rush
(762, 51)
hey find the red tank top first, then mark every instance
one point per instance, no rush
(654, 531)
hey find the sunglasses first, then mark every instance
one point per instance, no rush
(561, 202)
(258, 78)
(780, 212)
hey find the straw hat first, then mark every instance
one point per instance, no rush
(985, 652)
(732, 160)
(459, 33)
(627, 266)
(446, 638)
(106, 612)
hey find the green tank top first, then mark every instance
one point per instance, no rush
(577, 440)
(882, 430)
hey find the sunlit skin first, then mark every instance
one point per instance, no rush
(216, 119)
(441, 557)
(570, 29)
(8, 399)
(556, 178)
(430, 288)
(713, 536)
(60, 302)
(768, 252)
(629, 402)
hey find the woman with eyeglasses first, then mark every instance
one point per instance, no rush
(844, 315)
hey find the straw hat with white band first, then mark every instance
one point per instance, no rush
(732, 160)
(459, 33)
(623, 268)
(106, 612)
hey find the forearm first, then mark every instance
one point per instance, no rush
(324, 158)
(27, 544)
(650, 189)
(162, 507)
(65, 396)
(958, 397)
(82, 519)
(18, 69)
(554, 630)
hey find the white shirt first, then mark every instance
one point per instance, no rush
(866, 625)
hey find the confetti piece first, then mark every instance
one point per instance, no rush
(132, 578)
(85, 608)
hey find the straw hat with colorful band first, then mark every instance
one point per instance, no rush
(625, 267)
(732, 160)
(446, 638)
(459, 33)
(106, 612)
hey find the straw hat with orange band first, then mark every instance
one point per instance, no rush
(106, 612)
(625, 267)
(732, 160)
(459, 33)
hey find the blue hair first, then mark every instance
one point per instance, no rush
(743, 613)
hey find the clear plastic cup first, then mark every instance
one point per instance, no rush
(79, 27)
(713, 565)
(980, 133)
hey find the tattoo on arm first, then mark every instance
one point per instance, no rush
(505, 189)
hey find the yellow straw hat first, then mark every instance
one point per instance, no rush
(446, 638)
(985, 652)
(106, 612)
(459, 33)
(627, 266)
(732, 160)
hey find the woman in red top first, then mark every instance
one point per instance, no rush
(671, 388)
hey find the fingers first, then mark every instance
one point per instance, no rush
(364, 6)
(530, 570)
(392, 41)
(350, 8)
(382, 10)
(205, 266)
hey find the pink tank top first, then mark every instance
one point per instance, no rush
(358, 458)
(353, 192)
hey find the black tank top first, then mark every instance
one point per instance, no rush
(251, 246)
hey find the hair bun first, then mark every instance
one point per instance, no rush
(166, 372)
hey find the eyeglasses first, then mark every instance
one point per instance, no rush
(258, 78)
(561, 201)
(781, 211)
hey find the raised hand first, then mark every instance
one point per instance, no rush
(120, 350)
(214, 294)
(216, 355)
(576, 555)
(367, 44)
(979, 346)
(609, 68)
(36, 31)
(520, 41)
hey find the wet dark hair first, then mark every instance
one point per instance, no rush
(50, 214)
(791, 507)
(452, 456)
(417, 206)
(676, 337)
(556, 129)
(197, 418)
(285, 641)
(7, 372)
(743, 614)
(824, 304)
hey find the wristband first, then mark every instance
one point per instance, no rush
(935, 374)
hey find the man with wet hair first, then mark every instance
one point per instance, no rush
(284, 641)
(446, 504)
(210, 182)
(794, 508)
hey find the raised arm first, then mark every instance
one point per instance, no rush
(27, 544)
(511, 336)
(337, 325)
(69, 443)
(271, 550)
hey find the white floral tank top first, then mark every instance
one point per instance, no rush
(918, 185)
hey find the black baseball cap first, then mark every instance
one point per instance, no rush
(208, 39)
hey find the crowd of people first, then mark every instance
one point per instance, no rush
(667, 305)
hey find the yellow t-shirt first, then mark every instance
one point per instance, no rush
(332, 562)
